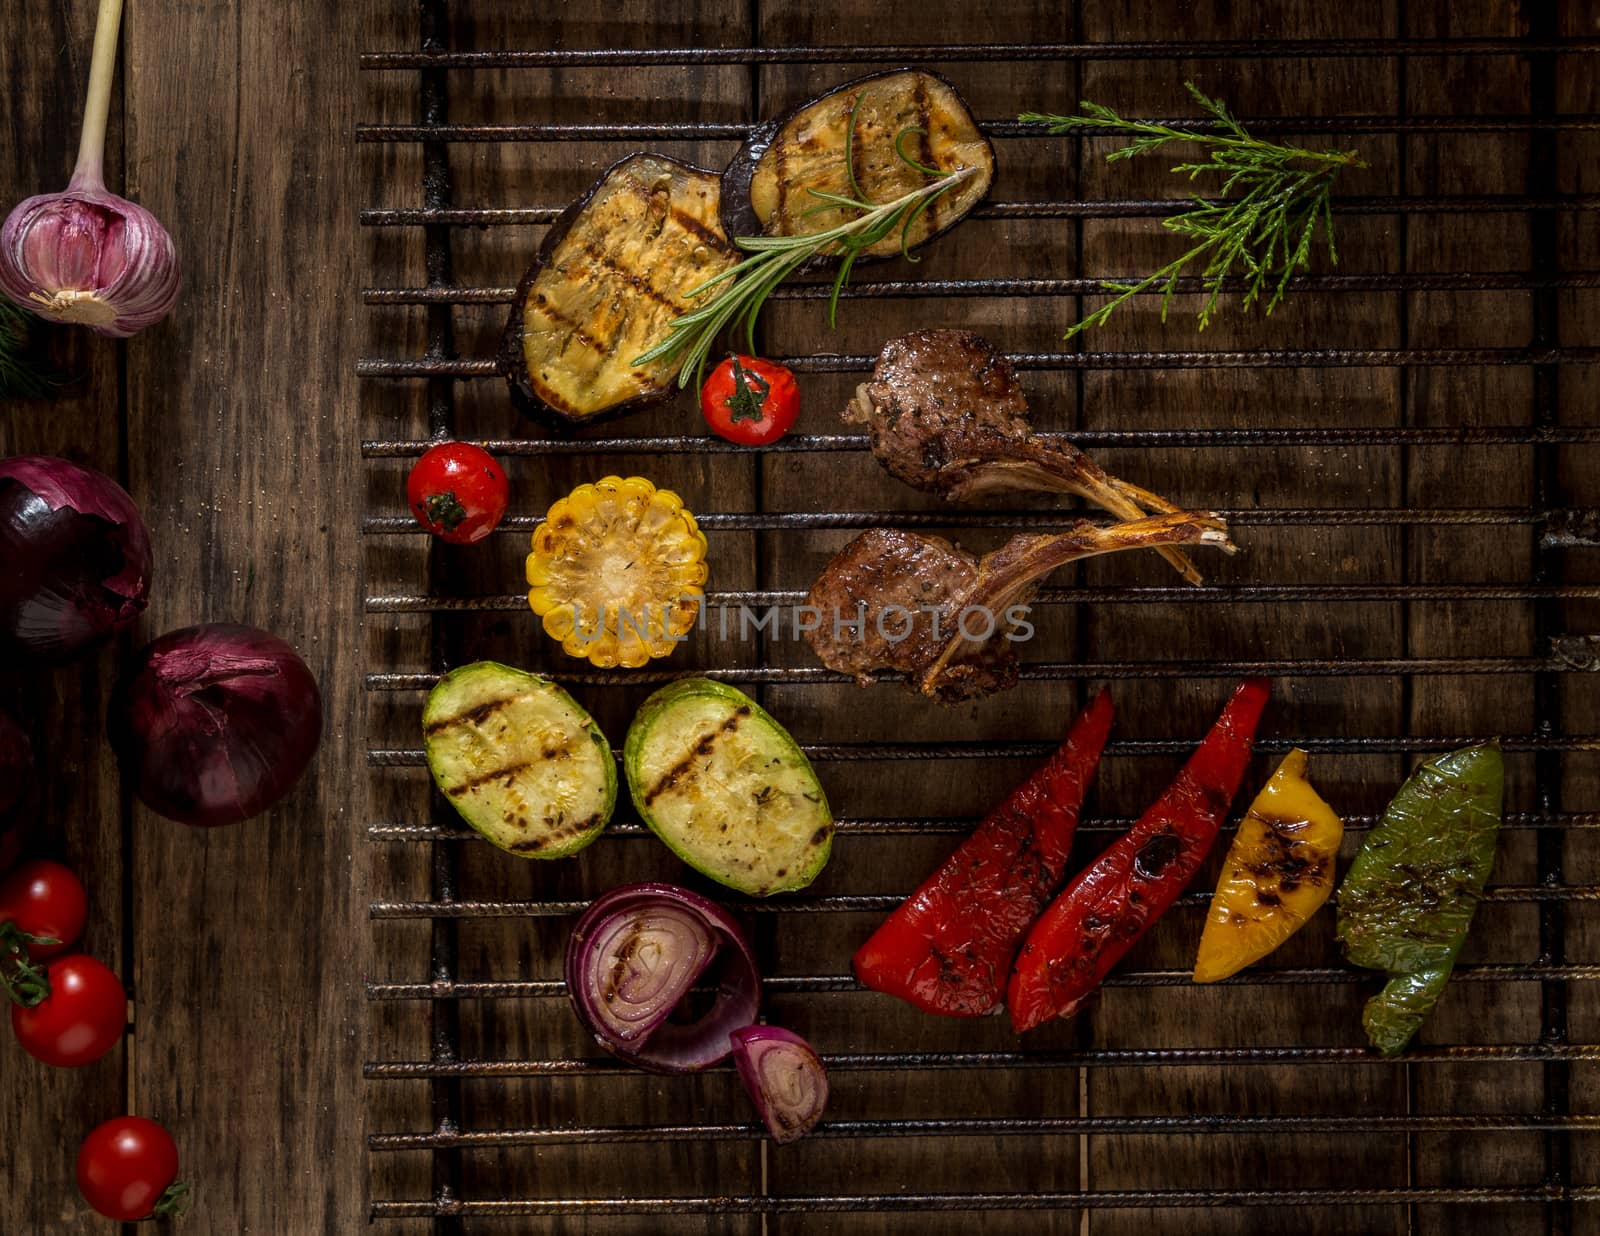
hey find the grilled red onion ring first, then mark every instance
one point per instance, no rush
(632, 959)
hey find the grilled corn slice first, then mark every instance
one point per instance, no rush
(616, 572)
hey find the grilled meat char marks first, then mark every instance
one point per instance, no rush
(945, 413)
(938, 398)
(917, 605)
(885, 588)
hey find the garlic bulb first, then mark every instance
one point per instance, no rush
(85, 255)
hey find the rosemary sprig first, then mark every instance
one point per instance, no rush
(773, 259)
(1274, 198)
(21, 375)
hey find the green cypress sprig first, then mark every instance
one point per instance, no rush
(1273, 201)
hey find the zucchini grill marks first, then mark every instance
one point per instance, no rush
(874, 139)
(638, 277)
(519, 759)
(722, 783)
(614, 272)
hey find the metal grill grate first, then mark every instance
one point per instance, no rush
(449, 615)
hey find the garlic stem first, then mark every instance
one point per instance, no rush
(90, 171)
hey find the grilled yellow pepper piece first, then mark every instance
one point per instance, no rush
(1279, 870)
(616, 572)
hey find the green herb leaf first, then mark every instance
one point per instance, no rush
(1274, 199)
(22, 375)
(745, 287)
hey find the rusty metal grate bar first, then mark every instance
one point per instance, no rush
(886, 289)
(703, 131)
(521, 216)
(551, 989)
(861, 903)
(1085, 1126)
(904, 1203)
(933, 53)
(412, 757)
(1308, 358)
(951, 826)
(1375, 435)
(1090, 1057)
(1253, 517)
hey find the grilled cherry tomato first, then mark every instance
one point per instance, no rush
(128, 1170)
(750, 401)
(80, 1019)
(457, 492)
(43, 900)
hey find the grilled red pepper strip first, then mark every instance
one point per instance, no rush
(948, 948)
(1102, 913)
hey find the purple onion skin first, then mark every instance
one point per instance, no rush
(675, 1047)
(213, 724)
(74, 558)
(16, 788)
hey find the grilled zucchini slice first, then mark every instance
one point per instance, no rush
(521, 762)
(608, 281)
(766, 189)
(727, 789)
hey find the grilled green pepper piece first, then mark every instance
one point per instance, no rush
(1409, 897)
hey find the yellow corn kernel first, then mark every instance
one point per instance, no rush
(617, 572)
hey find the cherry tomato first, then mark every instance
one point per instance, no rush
(127, 1168)
(750, 401)
(46, 900)
(457, 492)
(80, 1020)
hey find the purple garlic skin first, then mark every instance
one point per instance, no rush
(88, 257)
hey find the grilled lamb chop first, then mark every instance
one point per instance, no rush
(894, 600)
(946, 414)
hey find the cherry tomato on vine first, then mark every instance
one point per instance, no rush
(128, 1170)
(750, 401)
(457, 492)
(79, 1020)
(44, 900)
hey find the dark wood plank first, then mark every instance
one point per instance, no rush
(45, 1112)
(250, 943)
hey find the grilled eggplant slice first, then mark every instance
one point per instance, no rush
(521, 762)
(765, 190)
(609, 280)
(723, 784)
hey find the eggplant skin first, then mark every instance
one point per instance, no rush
(764, 190)
(608, 281)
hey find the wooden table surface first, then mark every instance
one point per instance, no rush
(237, 426)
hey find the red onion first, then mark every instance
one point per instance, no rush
(785, 1078)
(74, 558)
(213, 724)
(632, 958)
(85, 255)
(16, 786)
